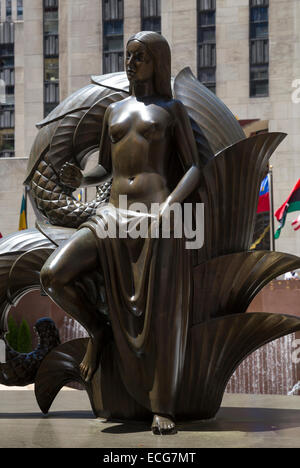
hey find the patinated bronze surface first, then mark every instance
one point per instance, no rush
(167, 325)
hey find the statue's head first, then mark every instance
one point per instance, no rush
(151, 59)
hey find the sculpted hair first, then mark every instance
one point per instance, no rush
(159, 49)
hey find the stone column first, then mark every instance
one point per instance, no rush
(19, 91)
(63, 31)
(132, 19)
(14, 10)
(2, 11)
(179, 27)
(33, 70)
(80, 43)
(232, 51)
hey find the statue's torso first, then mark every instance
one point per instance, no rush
(141, 145)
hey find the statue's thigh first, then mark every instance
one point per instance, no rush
(76, 256)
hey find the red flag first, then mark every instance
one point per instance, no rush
(296, 223)
(1, 235)
(291, 204)
(264, 196)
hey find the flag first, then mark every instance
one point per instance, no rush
(23, 215)
(296, 223)
(264, 196)
(1, 235)
(291, 204)
(80, 195)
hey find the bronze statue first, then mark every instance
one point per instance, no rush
(140, 137)
(167, 324)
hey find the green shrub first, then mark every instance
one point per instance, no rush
(12, 335)
(24, 338)
(19, 337)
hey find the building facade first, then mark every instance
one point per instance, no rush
(246, 51)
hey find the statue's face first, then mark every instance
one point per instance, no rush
(139, 63)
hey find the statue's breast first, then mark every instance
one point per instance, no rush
(149, 122)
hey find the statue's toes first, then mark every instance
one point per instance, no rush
(163, 426)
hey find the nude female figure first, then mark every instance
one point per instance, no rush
(140, 136)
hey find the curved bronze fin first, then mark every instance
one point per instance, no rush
(215, 349)
(55, 234)
(218, 125)
(22, 241)
(11, 248)
(24, 274)
(82, 99)
(226, 285)
(61, 145)
(6, 262)
(229, 189)
(59, 367)
(114, 81)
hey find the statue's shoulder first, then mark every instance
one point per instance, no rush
(117, 105)
(176, 107)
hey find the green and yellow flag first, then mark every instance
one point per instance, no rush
(23, 215)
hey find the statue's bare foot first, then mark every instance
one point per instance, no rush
(91, 359)
(163, 425)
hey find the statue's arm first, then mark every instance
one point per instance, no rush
(186, 148)
(103, 170)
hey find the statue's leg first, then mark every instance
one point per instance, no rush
(79, 255)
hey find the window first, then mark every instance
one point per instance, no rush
(7, 76)
(7, 80)
(8, 10)
(51, 46)
(7, 117)
(151, 15)
(7, 144)
(6, 33)
(259, 48)
(113, 55)
(51, 69)
(19, 9)
(51, 4)
(51, 56)
(207, 43)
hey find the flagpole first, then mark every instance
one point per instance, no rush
(272, 230)
(25, 194)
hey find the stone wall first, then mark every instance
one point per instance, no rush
(179, 26)
(12, 175)
(33, 72)
(80, 39)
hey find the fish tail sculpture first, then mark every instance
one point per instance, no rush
(70, 134)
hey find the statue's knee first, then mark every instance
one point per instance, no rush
(47, 277)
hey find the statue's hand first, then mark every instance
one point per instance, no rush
(164, 210)
(70, 175)
(156, 225)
